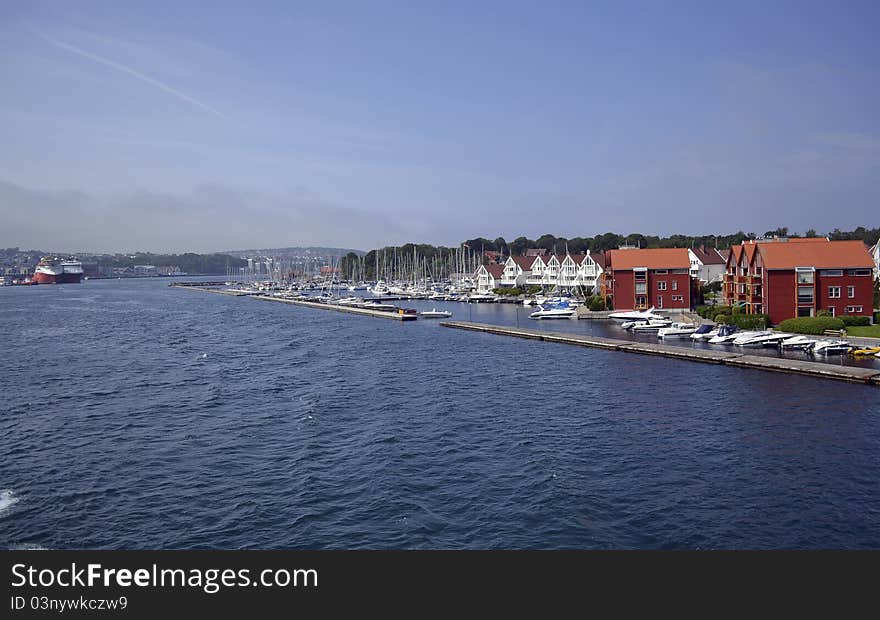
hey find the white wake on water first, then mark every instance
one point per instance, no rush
(7, 500)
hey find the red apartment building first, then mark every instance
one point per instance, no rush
(786, 278)
(637, 279)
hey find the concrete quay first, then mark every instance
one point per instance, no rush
(728, 358)
(395, 315)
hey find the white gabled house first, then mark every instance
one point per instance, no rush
(517, 269)
(590, 270)
(488, 278)
(707, 265)
(565, 270)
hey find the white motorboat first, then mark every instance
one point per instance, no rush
(375, 305)
(704, 332)
(435, 314)
(650, 326)
(636, 315)
(480, 297)
(744, 337)
(765, 340)
(830, 347)
(676, 330)
(726, 335)
(797, 342)
(380, 288)
(349, 301)
(554, 312)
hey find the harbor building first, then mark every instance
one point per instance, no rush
(488, 277)
(636, 279)
(707, 265)
(553, 270)
(787, 278)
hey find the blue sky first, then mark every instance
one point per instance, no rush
(173, 126)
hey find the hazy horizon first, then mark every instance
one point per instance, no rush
(193, 128)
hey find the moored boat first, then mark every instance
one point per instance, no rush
(676, 330)
(830, 347)
(726, 335)
(435, 314)
(704, 332)
(636, 315)
(797, 342)
(771, 339)
(555, 311)
(650, 326)
(746, 336)
(865, 351)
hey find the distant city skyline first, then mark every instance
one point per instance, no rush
(194, 127)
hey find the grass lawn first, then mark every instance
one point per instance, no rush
(869, 331)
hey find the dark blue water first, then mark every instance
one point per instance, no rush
(138, 416)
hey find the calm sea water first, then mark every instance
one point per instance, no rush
(138, 416)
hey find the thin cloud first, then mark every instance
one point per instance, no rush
(131, 72)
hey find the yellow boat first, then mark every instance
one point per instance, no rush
(866, 351)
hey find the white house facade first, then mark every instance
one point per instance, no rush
(564, 270)
(875, 254)
(707, 265)
(488, 277)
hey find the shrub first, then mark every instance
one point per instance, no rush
(811, 325)
(712, 287)
(597, 303)
(513, 292)
(710, 311)
(722, 318)
(750, 321)
(856, 321)
(824, 313)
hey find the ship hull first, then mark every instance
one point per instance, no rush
(61, 278)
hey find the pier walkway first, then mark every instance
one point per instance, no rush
(728, 358)
(379, 314)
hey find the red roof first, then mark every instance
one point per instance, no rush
(660, 258)
(549, 257)
(735, 254)
(827, 255)
(495, 270)
(710, 256)
(600, 258)
(525, 262)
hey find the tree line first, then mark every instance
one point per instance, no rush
(474, 249)
(190, 262)
(611, 241)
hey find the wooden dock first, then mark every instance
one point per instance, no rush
(728, 358)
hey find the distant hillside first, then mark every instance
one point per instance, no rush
(294, 251)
